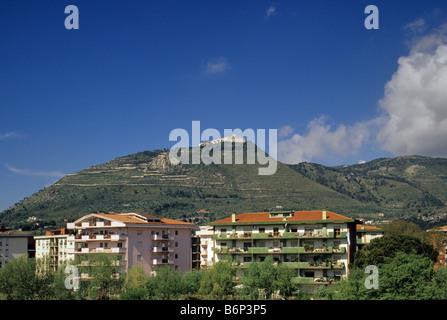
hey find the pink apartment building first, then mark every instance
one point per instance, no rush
(141, 239)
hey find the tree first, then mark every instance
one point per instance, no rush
(218, 280)
(19, 280)
(438, 288)
(402, 277)
(388, 246)
(268, 278)
(135, 284)
(191, 282)
(405, 277)
(104, 280)
(165, 285)
(402, 227)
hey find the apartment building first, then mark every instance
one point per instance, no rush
(138, 239)
(365, 234)
(317, 245)
(13, 244)
(54, 248)
(205, 235)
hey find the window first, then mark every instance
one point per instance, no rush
(176, 244)
(6, 252)
(261, 230)
(337, 232)
(139, 232)
(139, 257)
(176, 256)
(119, 245)
(176, 232)
(276, 232)
(139, 244)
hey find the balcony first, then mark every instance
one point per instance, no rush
(162, 249)
(160, 262)
(161, 237)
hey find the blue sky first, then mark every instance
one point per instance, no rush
(136, 70)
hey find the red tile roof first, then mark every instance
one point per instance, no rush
(297, 216)
(130, 218)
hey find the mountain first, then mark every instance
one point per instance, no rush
(404, 187)
(412, 187)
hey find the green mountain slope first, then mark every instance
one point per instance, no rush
(410, 187)
(413, 187)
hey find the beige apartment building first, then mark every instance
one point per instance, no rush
(138, 239)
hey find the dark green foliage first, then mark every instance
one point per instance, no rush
(264, 279)
(376, 252)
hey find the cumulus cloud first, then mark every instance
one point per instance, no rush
(415, 100)
(322, 140)
(412, 117)
(49, 174)
(285, 131)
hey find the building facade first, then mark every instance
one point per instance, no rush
(138, 239)
(54, 248)
(205, 235)
(365, 234)
(13, 244)
(317, 245)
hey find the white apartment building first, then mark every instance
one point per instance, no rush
(54, 248)
(206, 234)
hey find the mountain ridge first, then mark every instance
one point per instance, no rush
(410, 188)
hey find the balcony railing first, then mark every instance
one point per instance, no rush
(159, 262)
(282, 235)
(97, 250)
(162, 237)
(273, 250)
(162, 249)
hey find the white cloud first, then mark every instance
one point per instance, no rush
(413, 111)
(219, 65)
(321, 140)
(415, 100)
(49, 174)
(271, 10)
(417, 26)
(285, 131)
